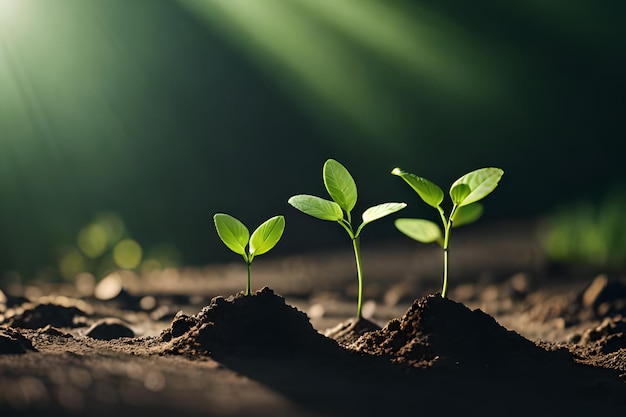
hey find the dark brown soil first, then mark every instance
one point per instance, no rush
(439, 332)
(501, 346)
(350, 330)
(258, 325)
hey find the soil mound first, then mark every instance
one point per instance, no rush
(44, 314)
(261, 323)
(439, 332)
(13, 342)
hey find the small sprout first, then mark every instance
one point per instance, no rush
(236, 237)
(342, 189)
(464, 192)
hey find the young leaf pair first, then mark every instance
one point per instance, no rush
(236, 237)
(342, 189)
(464, 193)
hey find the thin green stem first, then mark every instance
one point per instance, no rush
(446, 251)
(346, 226)
(445, 267)
(248, 286)
(359, 269)
(357, 255)
(442, 214)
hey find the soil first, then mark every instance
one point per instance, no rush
(513, 338)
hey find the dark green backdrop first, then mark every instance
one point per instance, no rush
(165, 112)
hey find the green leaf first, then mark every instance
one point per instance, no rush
(317, 207)
(340, 185)
(267, 235)
(379, 211)
(467, 214)
(481, 183)
(459, 193)
(233, 233)
(421, 230)
(428, 191)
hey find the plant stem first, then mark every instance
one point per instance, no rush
(445, 267)
(359, 269)
(248, 286)
(446, 251)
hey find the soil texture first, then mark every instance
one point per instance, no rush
(501, 344)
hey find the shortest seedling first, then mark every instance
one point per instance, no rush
(464, 192)
(236, 237)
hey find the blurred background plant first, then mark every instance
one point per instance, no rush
(166, 112)
(589, 233)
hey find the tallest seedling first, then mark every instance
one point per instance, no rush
(464, 192)
(342, 189)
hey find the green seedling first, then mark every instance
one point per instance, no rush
(464, 192)
(236, 237)
(342, 189)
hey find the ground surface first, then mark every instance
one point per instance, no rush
(516, 336)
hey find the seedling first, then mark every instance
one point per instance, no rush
(464, 192)
(236, 237)
(342, 189)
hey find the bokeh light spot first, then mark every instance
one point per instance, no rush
(127, 254)
(71, 264)
(92, 240)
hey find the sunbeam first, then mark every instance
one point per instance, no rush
(338, 60)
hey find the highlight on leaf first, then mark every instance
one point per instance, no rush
(422, 230)
(481, 183)
(267, 235)
(378, 212)
(232, 232)
(340, 184)
(464, 193)
(236, 237)
(467, 214)
(428, 191)
(342, 190)
(317, 207)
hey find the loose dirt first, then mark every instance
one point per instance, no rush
(505, 343)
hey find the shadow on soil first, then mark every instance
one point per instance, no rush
(440, 356)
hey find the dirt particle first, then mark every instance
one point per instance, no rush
(109, 329)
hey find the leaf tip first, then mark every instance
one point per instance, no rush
(217, 217)
(292, 200)
(396, 171)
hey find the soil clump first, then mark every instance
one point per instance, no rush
(258, 324)
(258, 355)
(437, 331)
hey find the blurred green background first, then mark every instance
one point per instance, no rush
(125, 125)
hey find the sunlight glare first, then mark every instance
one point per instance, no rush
(7, 7)
(354, 62)
(318, 71)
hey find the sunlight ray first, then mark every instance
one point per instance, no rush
(319, 71)
(363, 64)
(419, 42)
